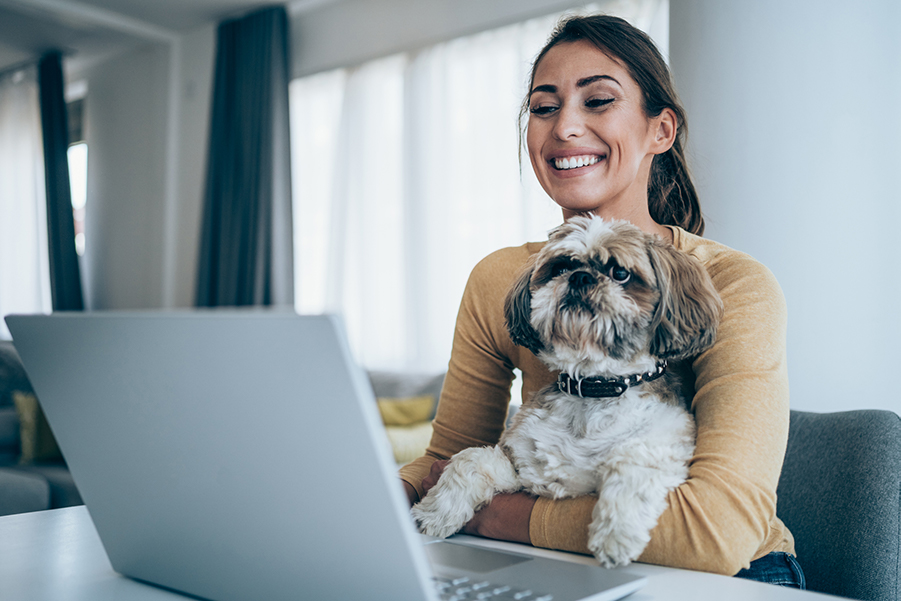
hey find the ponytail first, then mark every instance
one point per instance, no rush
(672, 198)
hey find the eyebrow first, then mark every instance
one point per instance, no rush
(585, 81)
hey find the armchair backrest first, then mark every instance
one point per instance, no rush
(840, 495)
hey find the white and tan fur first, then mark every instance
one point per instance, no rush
(572, 308)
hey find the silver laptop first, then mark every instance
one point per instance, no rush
(239, 455)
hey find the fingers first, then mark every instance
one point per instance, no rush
(411, 493)
(434, 474)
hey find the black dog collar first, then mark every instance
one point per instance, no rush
(598, 387)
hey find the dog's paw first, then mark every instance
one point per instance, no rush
(619, 531)
(612, 551)
(440, 518)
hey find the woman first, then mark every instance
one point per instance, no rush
(605, 135)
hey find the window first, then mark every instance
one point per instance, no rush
(405, 174)
(78, 169)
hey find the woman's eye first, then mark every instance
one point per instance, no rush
(596, 103)
(619, 274)
(541, 110)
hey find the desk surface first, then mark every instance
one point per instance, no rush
(56, 555)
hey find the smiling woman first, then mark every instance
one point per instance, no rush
(604, 135)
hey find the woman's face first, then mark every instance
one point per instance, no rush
(589, 140)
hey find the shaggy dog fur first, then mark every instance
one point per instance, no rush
(601, 300)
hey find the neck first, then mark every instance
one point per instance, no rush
(641, 219)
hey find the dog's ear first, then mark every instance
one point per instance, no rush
(690, 308)
(518, 312)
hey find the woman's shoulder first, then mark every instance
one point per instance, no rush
(501, 267)
(739, 278)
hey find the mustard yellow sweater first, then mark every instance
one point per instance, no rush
(724, 515)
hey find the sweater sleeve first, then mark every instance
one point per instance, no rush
(724, 515)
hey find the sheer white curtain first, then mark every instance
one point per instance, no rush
(406, 174)
(24, 261)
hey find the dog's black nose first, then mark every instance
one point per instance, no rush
(581, 279)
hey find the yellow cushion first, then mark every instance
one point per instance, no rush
(38, 443)
(409, 442)
(406, 411)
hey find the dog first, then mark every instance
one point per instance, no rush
(607, 306)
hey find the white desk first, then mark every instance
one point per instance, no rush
(56, 556)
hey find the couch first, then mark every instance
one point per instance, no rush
(407, 403)
(33, 474)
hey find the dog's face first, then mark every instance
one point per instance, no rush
(604, 293)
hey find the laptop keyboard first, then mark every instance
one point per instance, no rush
(467, 589)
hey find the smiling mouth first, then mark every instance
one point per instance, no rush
(575, 162)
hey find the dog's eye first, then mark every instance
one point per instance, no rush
(619, 274)
(561, 267)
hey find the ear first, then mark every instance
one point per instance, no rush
(518, 312)
(690, 308)
(664, 126)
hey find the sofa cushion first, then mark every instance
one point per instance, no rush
(38, 443)
(412, 387)
(407, 411)
(12, 374)
(9, 435)
(409, 442)
(63, 492)
(22, 492)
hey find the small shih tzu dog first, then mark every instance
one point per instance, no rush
(606, 305)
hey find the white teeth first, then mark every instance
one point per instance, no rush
(574, 162)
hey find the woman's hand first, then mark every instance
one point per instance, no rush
(427, 483)
(506, 517)
(434, 473)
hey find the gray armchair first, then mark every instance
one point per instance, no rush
(840, 495)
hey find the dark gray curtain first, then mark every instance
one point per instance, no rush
(65, 277)
(246, 254)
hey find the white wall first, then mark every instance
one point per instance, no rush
(147, 163)
(125, 116)
(794, 123)
(193, 96)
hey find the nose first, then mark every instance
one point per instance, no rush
(570, 123)
(581, 279)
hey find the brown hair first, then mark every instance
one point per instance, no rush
(672, 198)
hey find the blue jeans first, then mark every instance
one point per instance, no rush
(776, 568)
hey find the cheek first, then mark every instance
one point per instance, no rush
(534, 139)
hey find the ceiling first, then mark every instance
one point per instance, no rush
(88, 31)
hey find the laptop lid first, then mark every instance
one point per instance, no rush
(208, 447)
